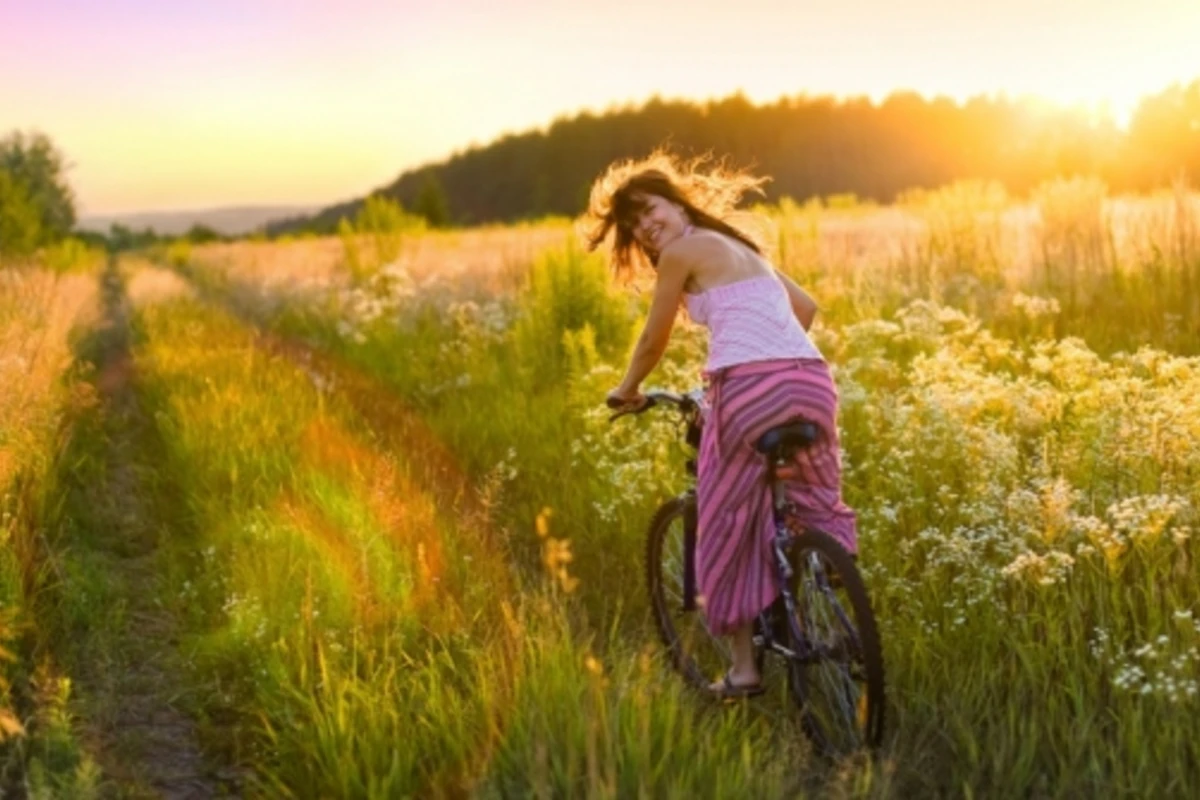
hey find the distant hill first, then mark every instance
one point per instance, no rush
(810, 147)
(233, 221)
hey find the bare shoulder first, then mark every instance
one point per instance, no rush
(699, 245)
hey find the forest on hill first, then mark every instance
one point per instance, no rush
(810, 147)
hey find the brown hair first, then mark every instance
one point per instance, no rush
(708, 196)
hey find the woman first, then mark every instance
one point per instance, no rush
(762, 371)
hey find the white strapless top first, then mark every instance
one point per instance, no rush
(750, 320)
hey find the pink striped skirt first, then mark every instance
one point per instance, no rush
(734, 566)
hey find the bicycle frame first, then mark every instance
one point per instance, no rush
(834, 668)
(765, 637)
(690, 406)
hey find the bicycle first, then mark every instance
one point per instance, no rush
(821, 625)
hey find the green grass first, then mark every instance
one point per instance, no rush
(45, 309)
(342, 511)
(1026, 506)
(365, 640)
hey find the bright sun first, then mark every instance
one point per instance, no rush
(1118, 95)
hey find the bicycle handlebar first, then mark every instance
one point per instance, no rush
(684, 402)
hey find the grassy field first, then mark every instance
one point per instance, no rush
(391, 545)
(43, 310)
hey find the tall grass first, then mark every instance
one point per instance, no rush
(1121, 269)
(1027, 499)
(369, 634)
(377, 236)
(41, 313)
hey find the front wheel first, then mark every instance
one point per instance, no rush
(696, 653)
(836, 677)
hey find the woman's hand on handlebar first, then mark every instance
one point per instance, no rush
(621, 399)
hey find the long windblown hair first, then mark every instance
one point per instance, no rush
(708, 194)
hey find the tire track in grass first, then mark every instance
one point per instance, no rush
(324, 536)
(547, 665)
(144, 743)
(551, 666)
(410, 484)
(403, 511)
(413, 479)
(435, 470)
(398, 428)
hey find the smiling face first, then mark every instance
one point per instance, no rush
(657, 222)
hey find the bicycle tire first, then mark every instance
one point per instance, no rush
(695, 653)
(841, 694)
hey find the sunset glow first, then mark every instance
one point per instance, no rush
(305, 102)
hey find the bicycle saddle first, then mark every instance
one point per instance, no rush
(791, 437)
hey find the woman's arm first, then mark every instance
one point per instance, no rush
(673, 271)
(804, 306)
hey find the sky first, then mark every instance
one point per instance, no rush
(164, 104)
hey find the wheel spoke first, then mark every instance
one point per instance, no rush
(829, 648)
(833, 685)
(699, 655)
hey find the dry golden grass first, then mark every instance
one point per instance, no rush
(146, 283)
(1168, 222)
(1069, 221)
(927, 238)
(494, 260)
(275, 264)
(38, 311)
(485, 261)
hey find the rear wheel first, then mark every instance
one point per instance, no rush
(696, 653)
(839, 684)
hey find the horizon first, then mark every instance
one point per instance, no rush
(310, 107)
(197, 210)
(1098, 113)
(1096, 110)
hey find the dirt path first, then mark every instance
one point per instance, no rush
(128, 675)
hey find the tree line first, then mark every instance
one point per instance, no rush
(810, 147)
(37, 204)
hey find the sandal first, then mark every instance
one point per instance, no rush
(728, 690)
